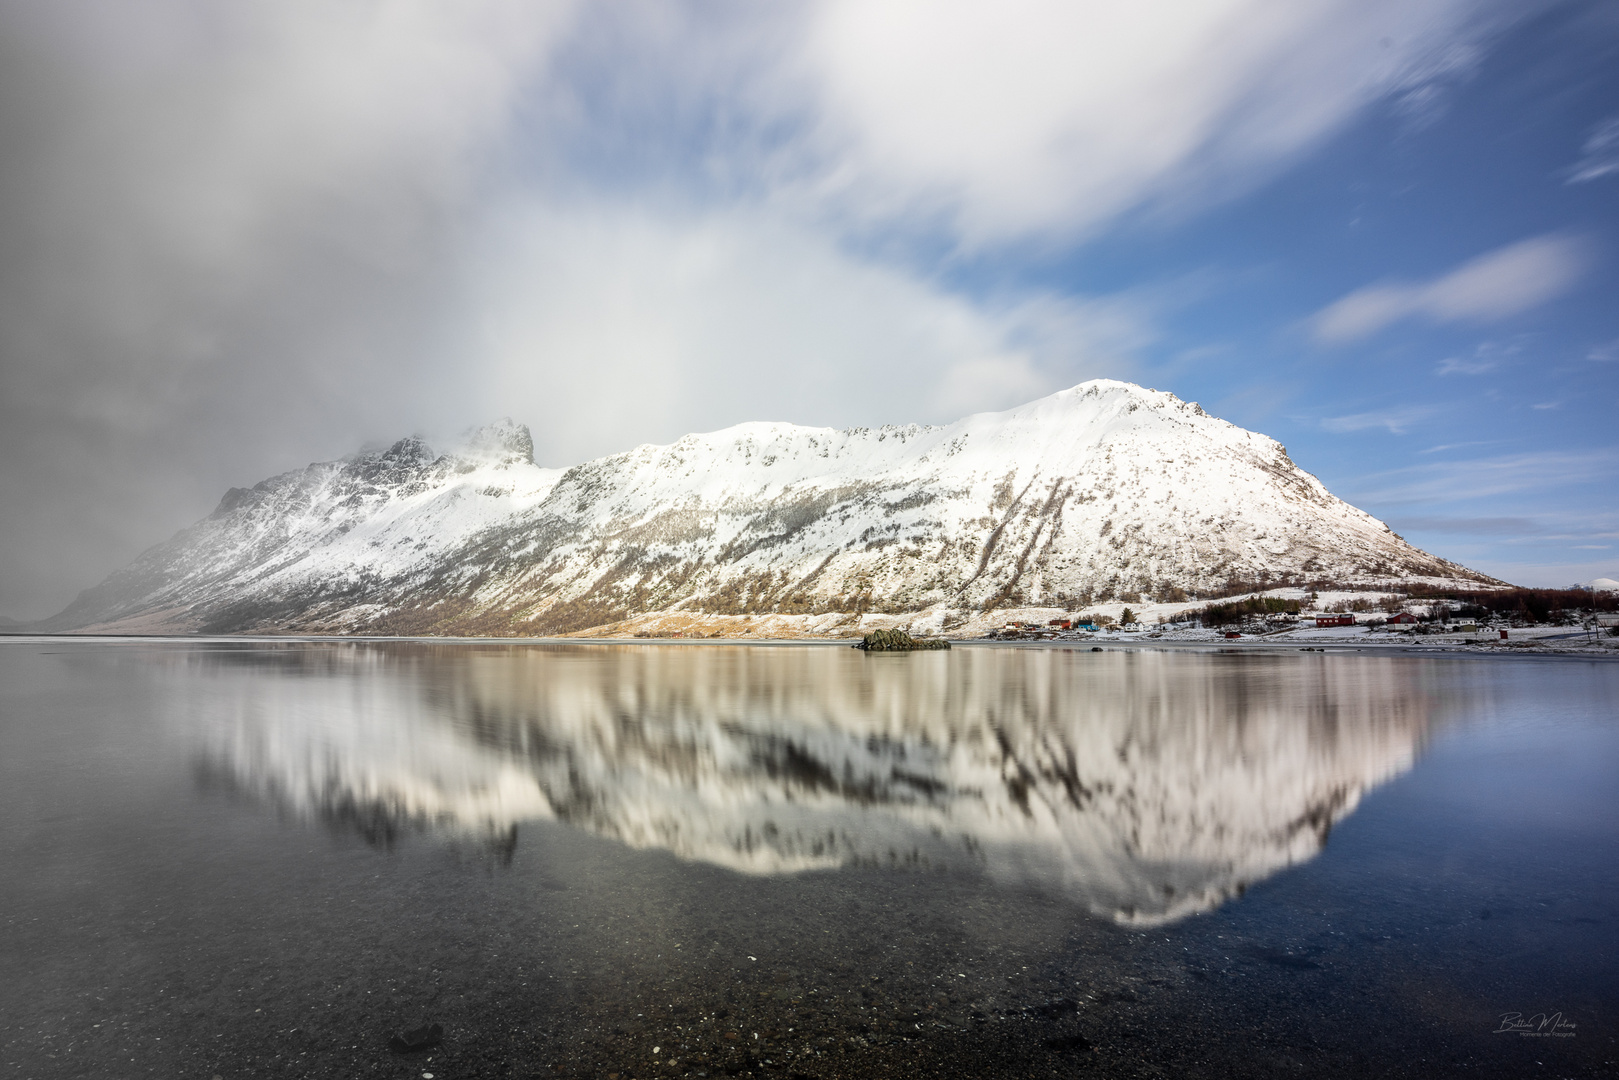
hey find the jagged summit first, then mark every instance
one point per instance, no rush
(504, 442)
(1099, 490)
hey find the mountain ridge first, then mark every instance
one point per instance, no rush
(1100, 490)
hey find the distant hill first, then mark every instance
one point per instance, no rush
(1099, 491)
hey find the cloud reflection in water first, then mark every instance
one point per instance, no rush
(1147, 785)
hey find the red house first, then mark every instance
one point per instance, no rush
(1336, 620)
(1404, 618)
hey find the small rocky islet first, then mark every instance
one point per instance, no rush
(898, 641)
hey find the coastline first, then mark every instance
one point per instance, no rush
(1553, 642)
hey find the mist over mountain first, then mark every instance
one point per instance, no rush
(1097, 491)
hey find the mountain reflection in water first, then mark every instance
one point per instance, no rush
(1146, 786)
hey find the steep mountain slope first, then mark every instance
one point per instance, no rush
(1097, 490)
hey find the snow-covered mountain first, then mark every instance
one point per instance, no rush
(1145, 786)
(1098, 491)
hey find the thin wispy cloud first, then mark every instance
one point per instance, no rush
(1599, 156)
(1562, 538)
(1557, 574)
(1494, 286)
(1484, 477)
(1455, 365)
(1395, 421)
(1583, 536)
(1466, 526)
(1458, 446)
(1486, 357)
(1427, 99)
(1606, 353)
(1563, 574)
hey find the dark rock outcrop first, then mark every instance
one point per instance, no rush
(898, 641)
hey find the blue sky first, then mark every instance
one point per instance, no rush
(1487, 435)
(238, 238)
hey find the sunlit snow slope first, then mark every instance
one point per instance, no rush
(1098, 490)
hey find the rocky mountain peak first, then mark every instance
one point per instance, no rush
(1101, 491)
(503, 442)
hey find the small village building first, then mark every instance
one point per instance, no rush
(1404, 618)
(1337, 619)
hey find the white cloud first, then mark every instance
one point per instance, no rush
(1010, 119)
(611, 326)
(1600, 154)
(1502, 283)
(1025, 120)
(223, 234)
(1605, 353)
(967, 385)
(232, 123)
(1397, 421)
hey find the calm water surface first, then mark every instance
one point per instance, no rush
(246, 858)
